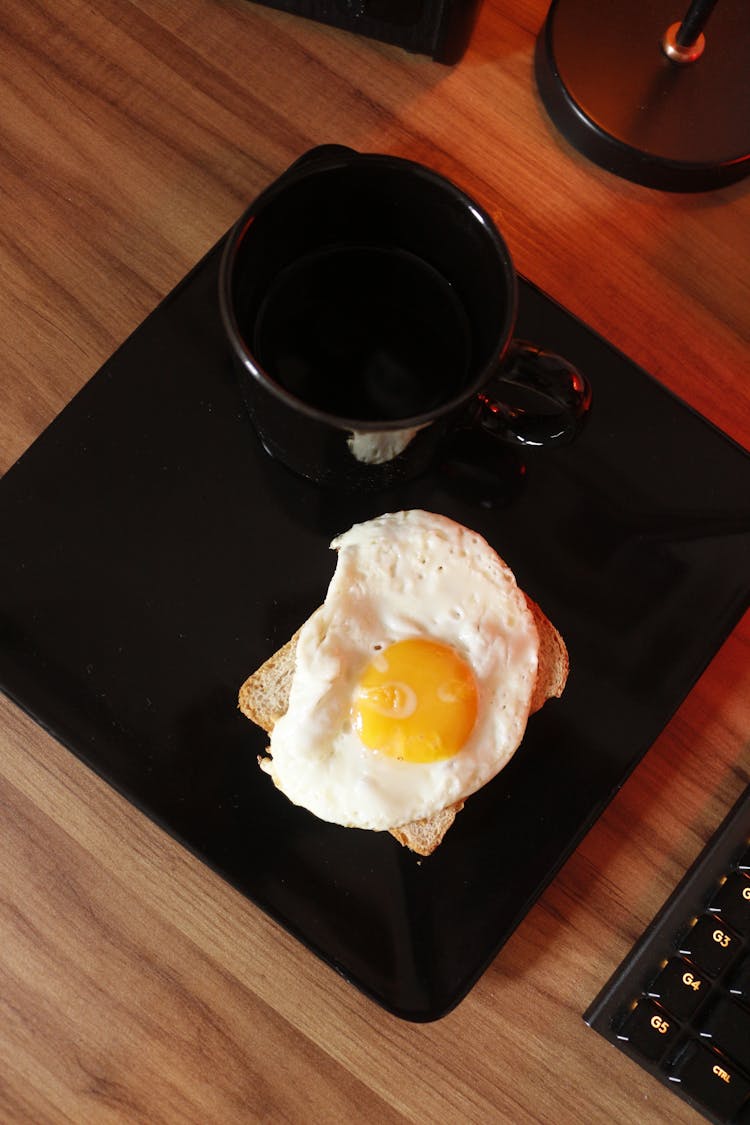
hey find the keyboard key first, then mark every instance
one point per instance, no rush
(743, 1117)
(711, 1080)
(739, 982)
(744, 863)
(648, 1029)
(680, 987)
(732, 902)
(728, 1027)
(710, 944)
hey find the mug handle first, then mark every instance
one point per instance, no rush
(536, 398)
(319, 152)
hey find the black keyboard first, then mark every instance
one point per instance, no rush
(679, 1004)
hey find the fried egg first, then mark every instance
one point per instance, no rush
(412, 682)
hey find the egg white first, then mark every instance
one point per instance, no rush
(403, 575)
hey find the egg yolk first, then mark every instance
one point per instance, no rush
(416, 701)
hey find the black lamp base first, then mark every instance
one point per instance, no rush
(612, 92)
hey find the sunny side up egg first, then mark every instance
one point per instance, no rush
(413, 680)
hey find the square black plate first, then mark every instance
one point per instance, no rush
(154, 556)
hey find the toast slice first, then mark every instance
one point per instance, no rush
(264, 696)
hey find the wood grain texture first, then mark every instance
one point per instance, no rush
(134, 984)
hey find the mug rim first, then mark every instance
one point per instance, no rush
(304, 168)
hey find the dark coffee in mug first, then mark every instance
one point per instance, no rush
(369, 304)
(365, 332)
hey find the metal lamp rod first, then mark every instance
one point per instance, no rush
(694, 22)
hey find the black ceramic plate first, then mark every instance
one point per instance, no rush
(154, 556)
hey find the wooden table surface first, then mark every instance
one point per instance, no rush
(135, 985)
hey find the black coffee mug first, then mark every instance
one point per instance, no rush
(370, 305)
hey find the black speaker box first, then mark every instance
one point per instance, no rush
(439, 28)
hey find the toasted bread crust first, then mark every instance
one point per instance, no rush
(553, 663)
(264, 698)
(423, 836)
